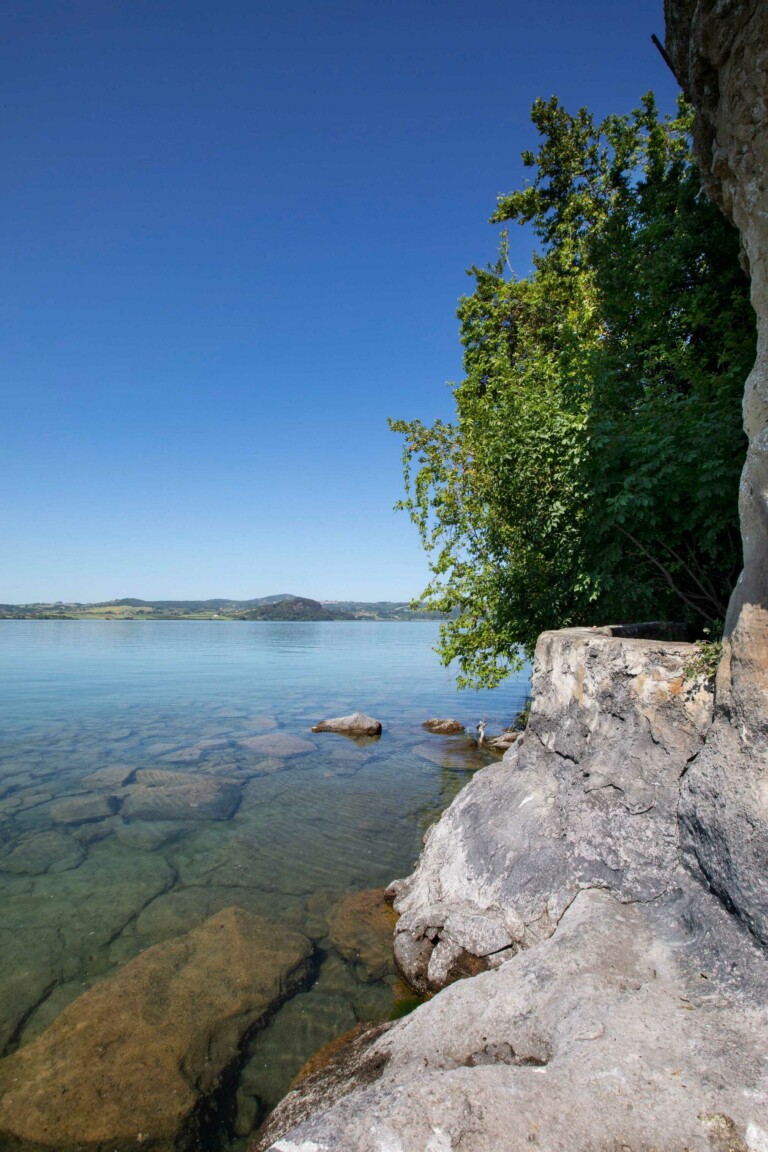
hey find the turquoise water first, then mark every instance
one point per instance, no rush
(95, 867)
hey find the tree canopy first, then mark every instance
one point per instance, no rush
(590, 474)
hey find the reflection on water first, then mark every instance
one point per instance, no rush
(153, 774)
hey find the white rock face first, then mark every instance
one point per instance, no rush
(587, 797)
(608, 1035)
(720, 53)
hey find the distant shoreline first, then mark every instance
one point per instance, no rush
(279, 607)
(415, 619)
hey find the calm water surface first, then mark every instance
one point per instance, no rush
(85, 705)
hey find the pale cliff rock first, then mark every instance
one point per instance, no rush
(720, 54)
(587, 798)
(608, 1035)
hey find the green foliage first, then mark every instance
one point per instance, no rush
(520, 722)
(591, 471)
(708, 653)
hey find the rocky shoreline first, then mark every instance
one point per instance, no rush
(613, 1001)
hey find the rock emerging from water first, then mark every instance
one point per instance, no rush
(357, 724)
(444, 727)
(504, 741)
(135, 1060)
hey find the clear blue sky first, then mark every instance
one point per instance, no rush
(234, 236)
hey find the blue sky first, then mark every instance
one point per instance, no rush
(234, 236)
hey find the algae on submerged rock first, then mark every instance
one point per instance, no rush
(135, 1057)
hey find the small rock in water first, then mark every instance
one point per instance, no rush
(357, 724)
(503, 742)
(444, 727)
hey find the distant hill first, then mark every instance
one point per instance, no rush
(295, 608)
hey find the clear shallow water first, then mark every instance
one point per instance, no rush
(84, 887)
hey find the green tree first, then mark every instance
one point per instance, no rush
(591, 471)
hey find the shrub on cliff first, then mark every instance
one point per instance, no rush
(591, 471)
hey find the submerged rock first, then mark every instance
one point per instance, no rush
(302, 1026)
(356, 724)
(132, 1061)
(165, 795)
(82, 809)
(149, 835)
(278, 744)
(360, 928)
(444, 727)
(42, 852)
(458, 755)
(111, 777)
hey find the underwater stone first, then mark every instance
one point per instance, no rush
(159, 795)
(361, 928)
(279, 744)
(134, 1057)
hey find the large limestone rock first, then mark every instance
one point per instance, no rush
(588, 798)
(134, 1061)
(720, 55)
(605, 1036)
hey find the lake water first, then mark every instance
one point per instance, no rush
(88, 880)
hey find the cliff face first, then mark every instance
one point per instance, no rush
(720, 54)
